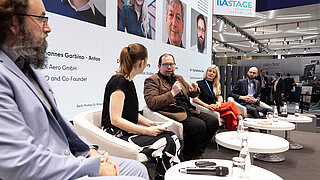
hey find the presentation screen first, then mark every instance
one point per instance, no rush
(86, 40)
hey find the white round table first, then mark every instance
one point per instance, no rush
(258, 142)
(292, 118)
(262, 124)
(299, 119)
(255, 172)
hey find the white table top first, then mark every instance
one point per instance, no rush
(258, 142)
(255, 172)
(261, 124)
(299, 119)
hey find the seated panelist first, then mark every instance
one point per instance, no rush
(247, 93)
(169, 94)
(36, 141)
(120, 115)
(210, 97)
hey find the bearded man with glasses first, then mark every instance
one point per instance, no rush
(36, 141)
(247, 92)
(169, 94)
(200, 46)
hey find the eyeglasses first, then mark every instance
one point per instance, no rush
(251, 72)
(168, 64)
(44, 19)
(202, 30)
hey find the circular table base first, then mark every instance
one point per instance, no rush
(295, 146)
(269, 157)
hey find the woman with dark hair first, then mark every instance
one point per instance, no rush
(120, 115)
(210, 97)
(134, 18)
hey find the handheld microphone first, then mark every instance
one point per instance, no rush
(173, 78)
(215, 171)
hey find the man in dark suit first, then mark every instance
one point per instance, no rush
(288, 86)
(263, 84)
(169, 95)
(247, 93)
(278, 90)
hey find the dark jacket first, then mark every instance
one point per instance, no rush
(288, 83)
(265, 79)
(280, 87)
(241, 89)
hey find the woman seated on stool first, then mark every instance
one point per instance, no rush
(120, 115)
(210, 97)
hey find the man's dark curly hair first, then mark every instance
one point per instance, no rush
(9, 8)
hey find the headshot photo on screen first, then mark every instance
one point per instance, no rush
(137, 17)
(92, 11)
(198, 32)
(173, 31)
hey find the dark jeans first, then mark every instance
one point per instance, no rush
(198, 130)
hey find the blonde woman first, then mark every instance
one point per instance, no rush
(210, 97)
(120, 115)
(134, 18)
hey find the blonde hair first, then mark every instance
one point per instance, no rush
(129, 56)
(144, 15)
(216, 81)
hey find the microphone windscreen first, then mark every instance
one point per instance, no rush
(222, 171)
(173, 78)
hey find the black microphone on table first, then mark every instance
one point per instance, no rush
(214, 171)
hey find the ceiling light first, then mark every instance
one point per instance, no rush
(294, 16)
(241, 45)
(221, 26)
(254, 23)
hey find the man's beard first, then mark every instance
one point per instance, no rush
(32, 49)
(200, 45)
(251, 78)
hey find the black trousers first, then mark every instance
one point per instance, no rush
(198, 130)
(278, 100)
(263, 96)
(254, 110)
(288, 96)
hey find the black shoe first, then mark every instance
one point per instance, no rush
(158, 177)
